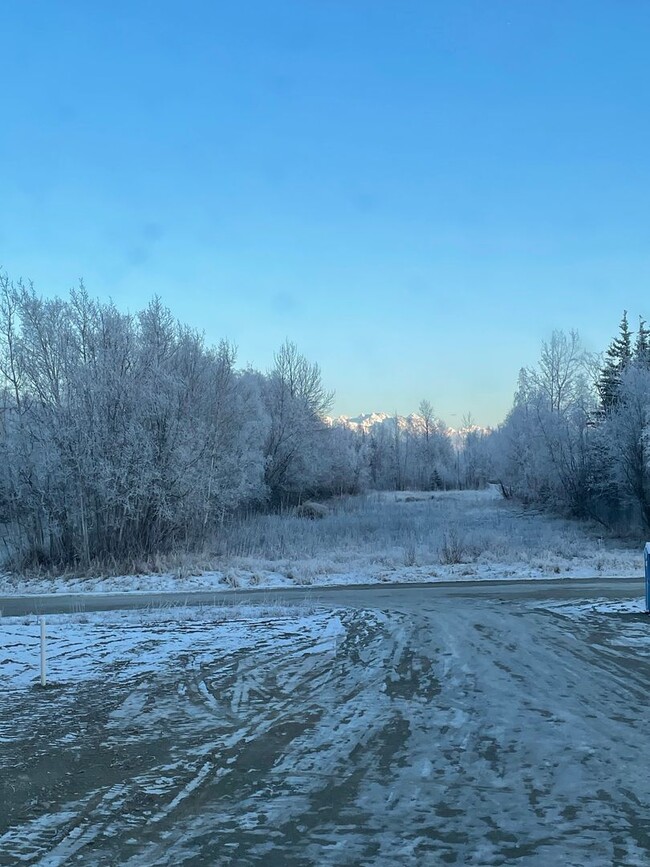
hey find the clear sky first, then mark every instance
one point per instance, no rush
(416, 193)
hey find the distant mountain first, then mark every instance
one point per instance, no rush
(370, 421)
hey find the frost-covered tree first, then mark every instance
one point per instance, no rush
(123, 436)
(561, 448)
(621, 448)
(476, 458)
(348, 464)
(415, 452)
(296, 402)
(543, 444)
(642, 344)
(617, 357)
(559, 378)
(435, 457)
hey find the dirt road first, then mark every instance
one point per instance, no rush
(457, 724)
(375, 595)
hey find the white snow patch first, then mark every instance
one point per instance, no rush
(82, 647)
(596, 606)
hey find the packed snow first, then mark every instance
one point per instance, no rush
(435, 730)
(85, 645)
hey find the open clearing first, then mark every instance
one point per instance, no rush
(397, 726)
(382, 538)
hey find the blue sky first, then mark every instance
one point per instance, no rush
(416, 193)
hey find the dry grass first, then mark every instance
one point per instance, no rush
(383, 536)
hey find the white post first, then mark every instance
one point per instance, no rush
(43, 663)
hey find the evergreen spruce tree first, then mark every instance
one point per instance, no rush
(642, 345)
(617, 358)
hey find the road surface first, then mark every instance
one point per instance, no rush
(467, 724)
(374, 595)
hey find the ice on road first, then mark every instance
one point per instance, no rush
(431, 731)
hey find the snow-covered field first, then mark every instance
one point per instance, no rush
(404, 537)
(433, 731)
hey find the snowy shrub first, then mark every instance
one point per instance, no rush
(311, 510)
(453, 549)
(232, 579)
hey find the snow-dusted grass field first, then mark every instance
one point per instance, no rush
(384, 537)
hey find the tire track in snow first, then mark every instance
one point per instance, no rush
(479, 734)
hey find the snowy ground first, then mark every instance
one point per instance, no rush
(401, 537)
(432, 731)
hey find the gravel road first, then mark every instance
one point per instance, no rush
(473, 724)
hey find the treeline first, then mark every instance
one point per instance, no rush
(577, 438)
(124, 436)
